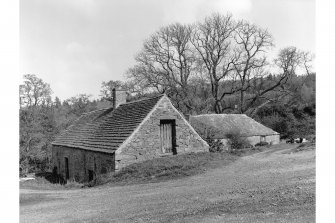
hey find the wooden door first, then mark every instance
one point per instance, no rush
(167, 136)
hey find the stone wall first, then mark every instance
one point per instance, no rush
(145, 143)
(273, 139)
(80, 161)
(251, 139)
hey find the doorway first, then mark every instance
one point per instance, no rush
(90, 175)
(67, 171)
(168, 136)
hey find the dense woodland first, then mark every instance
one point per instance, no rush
(218, 65)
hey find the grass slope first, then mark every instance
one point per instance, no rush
(166, 168)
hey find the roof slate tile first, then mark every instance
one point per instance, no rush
(221, 124)
(106, 129)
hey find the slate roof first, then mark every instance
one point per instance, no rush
(106, 129)
(221, 124)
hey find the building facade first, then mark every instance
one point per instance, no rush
(216, 126)
(109, 139)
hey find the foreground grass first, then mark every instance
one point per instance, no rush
(40, 183)
(155, 170)
(166, 168)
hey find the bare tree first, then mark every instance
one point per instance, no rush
(166, 61)
(227, 57)
(212, 40)
(288, 62)
(252, 45)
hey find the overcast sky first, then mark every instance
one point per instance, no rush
(74, 45)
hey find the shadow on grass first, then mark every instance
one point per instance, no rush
(51, 177)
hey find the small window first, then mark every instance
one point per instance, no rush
(262, 138)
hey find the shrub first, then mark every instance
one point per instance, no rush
(236, 141)
(289, 121)
(215, 145)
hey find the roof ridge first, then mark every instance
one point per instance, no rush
(217, 114)
(86, 113)
(139, 100)
(144, 99)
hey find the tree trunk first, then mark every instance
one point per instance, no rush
(241, 101)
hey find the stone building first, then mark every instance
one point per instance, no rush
(218, 125)
(109, 139)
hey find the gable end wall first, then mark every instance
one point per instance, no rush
(145, 143)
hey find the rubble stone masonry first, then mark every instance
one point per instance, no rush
(145, 143)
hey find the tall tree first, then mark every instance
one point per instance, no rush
(37, 123)
(212, 40)
(288, 62)
(252, 45)
(34, 91)
(167, 61)
(80, 104)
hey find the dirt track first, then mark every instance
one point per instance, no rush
(272, 186)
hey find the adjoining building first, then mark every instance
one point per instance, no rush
(109, 139)
(217, 126)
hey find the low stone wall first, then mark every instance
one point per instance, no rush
(145, 144)
(253, 140)
(80, 161)
(273, 139)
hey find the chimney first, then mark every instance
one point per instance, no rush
(119, 97)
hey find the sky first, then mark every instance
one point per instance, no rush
(75, 45)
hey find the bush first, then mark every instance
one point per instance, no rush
(290, 121)
(215, 145)
(262, 144)
(236, 141)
